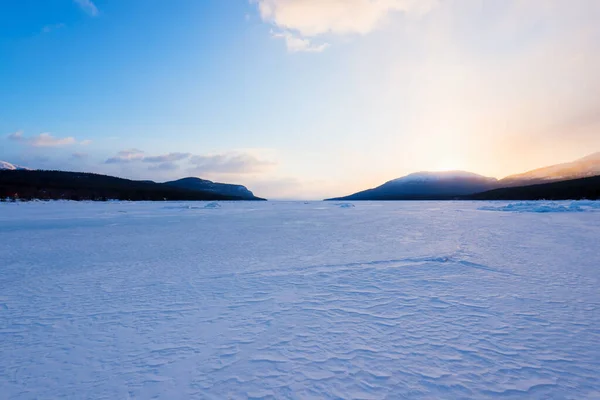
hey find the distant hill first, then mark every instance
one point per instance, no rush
(461, 184)
(427, 186)
(204, 185)
(574, 189)
(582, 168)
(38, 184)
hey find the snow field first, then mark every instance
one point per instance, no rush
(281, 300)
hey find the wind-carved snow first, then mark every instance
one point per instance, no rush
(291, 300)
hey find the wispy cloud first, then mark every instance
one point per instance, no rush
(88, 6)
(297, 44)
(126, 156)
(41, 140)
(166, 166)
(240, 162)
(52, 27)
(130, 155)
(170, 157)
(230, 163)
(79, 155)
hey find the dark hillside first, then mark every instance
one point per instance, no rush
(575, 189)
(87, 186)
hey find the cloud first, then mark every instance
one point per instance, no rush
(296, 44)
(85, 142)
(311, 18)
(230, 163)
(126, 156)
(52, 27)
(166, 166)
(170, 157)
(130, 155)
(79, 155)
(41, 140)
(239, 162)
(88, 6)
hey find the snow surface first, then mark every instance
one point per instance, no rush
(423, 300)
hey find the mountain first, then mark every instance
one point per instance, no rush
(427, 186)
(582, 168)
(204, 185)
(573, 189)
(6, 166)
(39, 184)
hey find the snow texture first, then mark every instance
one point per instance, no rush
(545, 207)
(284, 300)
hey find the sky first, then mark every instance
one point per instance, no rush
(298, 99)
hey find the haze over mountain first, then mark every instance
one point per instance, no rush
(456, 184)
(581, 168)
(427, 185)
(417, 186)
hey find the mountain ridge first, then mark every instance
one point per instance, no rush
(56, 185)
(445, 185)
(427, 185)
(192, 183)
(203, 187)
(581, 168)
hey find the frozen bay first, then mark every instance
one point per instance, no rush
(280, 300)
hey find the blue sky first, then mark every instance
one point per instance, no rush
(298, 98)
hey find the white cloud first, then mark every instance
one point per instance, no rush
(311, 18)
(41, 140)
(88, 6)
(230, 163)
(85, 142)
(296, 43)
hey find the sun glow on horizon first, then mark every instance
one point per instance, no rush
(450, 164)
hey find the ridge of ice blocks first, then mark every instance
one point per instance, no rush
(287, 300)
(545, 206)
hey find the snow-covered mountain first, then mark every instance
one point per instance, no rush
(428, 185)
(582, 168)
(438, 176)
(4, 165)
